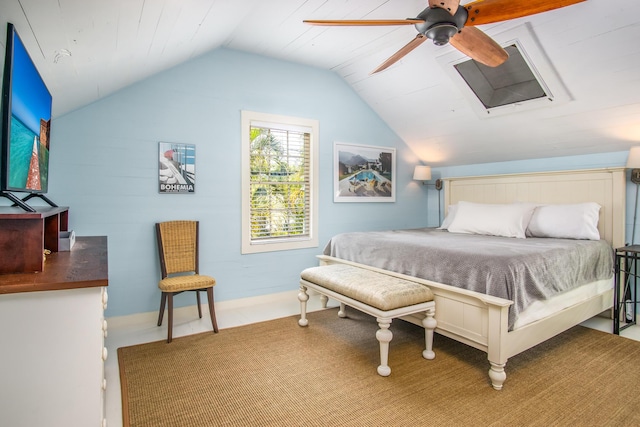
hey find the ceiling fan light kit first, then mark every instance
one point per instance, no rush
(439, 25)
(441, 33)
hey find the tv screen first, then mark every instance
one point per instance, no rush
(26, 121)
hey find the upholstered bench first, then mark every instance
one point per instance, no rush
(380, 295)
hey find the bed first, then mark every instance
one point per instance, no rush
(500, 326)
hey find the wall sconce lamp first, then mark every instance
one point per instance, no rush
(423, 173)
(633, 163)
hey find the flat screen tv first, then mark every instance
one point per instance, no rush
(26, 122)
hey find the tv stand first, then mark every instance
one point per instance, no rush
(17, 202)
(25, 235)
(41, 196)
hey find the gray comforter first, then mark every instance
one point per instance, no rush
(520, 270)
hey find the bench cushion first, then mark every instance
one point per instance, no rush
(378, 290)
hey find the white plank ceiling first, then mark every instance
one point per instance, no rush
(88, 49)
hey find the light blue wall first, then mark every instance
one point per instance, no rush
(592, 161)
(104, 166)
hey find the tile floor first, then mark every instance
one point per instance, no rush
(141, 328)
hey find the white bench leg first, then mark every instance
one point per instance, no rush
(342, 312)
(303, 297)
(324, 300)
(429, 323)
(384, 335)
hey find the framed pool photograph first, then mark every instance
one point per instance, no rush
(364, 173)
(176, 168)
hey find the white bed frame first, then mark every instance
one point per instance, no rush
(481, 320)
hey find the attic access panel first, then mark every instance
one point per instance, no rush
(510, 83)
(508, 88)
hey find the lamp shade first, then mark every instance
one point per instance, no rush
(633, 161)
(423, 173)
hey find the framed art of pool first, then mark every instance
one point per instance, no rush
(364, 173)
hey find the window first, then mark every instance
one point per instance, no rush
(279, 182)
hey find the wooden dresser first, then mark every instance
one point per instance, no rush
(52, 332)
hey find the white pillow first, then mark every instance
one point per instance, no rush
(494, 220)
(570, 221)
(451, 213)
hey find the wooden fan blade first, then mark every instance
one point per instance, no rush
(420, 38)
(450, 6)
(363, 22)
(474, 43)
(488, 11)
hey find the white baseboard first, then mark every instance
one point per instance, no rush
(231, 312)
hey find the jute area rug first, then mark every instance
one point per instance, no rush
(277, 373)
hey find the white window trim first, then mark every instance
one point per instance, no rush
(249, 247)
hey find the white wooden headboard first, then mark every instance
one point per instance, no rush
(603, 186)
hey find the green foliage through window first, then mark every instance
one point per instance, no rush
(279, 186)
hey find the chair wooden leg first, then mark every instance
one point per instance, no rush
(212, 311)
(163, 300)
(170, 326)
(199, 307)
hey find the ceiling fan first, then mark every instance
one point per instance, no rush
(445, 22)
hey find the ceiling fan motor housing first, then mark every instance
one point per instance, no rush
(439, 25)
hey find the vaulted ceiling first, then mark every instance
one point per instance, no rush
(88, 49)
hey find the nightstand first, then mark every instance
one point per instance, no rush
(626, 287)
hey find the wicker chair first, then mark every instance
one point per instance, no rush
(178, 250)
